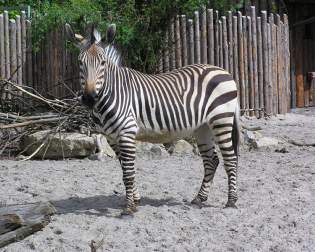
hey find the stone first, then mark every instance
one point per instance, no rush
(256, 140)
(149, 150)
(183, 147)
(102, 146)
(64, 145)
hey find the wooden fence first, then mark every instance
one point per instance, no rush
(51, 70)
(254, 49)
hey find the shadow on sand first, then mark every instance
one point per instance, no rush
(100, 205)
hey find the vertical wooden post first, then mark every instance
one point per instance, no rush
(184, 40)
(245, 59)
(275, 64)
(260, 68)
(178, 51)
(29, 61)
(7, 44)
(204, 55)
(287, 60)
(221, 60)
(255, 63)
(217, 40)
(191, 41)
(23, 45)
(230, 42)
(241, 59)
(13, 60)
(2, 54)
(172, 45)
(265, 61)
(225, 45)
(166, 56)
(235, 52)
(210, 37)
(19, 50)
(197, 38)
(251, 84)
(271, 65)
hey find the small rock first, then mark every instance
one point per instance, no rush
(282, 150)
(183, 147)
(103, 147)
(149, 150)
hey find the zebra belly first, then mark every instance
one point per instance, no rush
(164, 136)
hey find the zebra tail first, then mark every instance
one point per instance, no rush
(236, 132)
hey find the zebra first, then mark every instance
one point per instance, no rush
(199, 100)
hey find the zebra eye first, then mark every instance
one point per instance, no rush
(103, 62)
(80, 63)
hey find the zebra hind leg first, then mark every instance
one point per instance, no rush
(210, 159)
(223, 137)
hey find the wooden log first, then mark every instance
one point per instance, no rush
(29, 58)
(260, 67)
(20, 221)
(245, 59)
(217, 40)
(172, 44)
(203, 26)
(241, 60)
(184, 36)
(210, 37)
(191, 41)
(255, 61)
(197, 37)
(235, 54)
(23, 46)
(225, 45)
(166, 56)
(178, 51)
(230, 42)
(251, 85)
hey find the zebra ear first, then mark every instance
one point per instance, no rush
(111, 33)
(77, 39)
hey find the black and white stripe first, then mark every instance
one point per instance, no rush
(198, 100)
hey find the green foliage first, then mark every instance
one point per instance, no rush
(141, 24)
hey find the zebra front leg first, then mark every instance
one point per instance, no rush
(127, 155)
(210, 162)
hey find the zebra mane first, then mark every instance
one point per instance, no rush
(112, 53)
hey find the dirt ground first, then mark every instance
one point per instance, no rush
(276, 206)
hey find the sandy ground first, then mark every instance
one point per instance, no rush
(276, 207)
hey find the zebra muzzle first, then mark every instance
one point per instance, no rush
(89, 99)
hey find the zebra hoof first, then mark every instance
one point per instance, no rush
(197, 202)
(230, 204)
(128, 211)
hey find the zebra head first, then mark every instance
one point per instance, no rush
(95, 55)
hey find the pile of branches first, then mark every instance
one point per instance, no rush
(54, 115)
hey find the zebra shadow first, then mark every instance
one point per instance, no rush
(101, 205)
